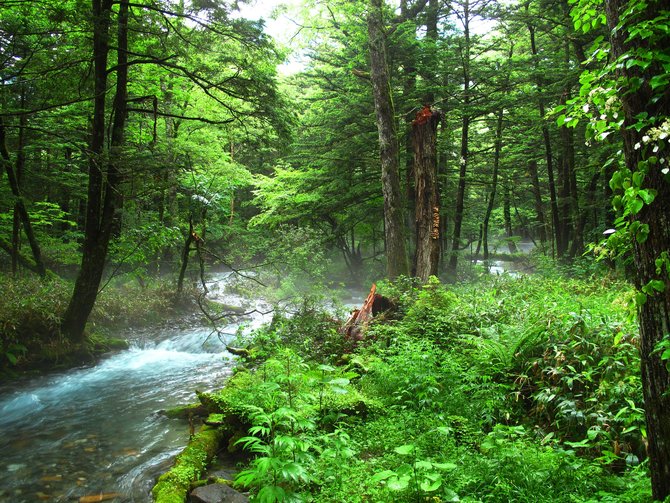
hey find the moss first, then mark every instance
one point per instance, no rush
(351, 403)
(187, 411)
(174, 485)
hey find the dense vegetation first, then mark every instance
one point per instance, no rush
(503, 390)
(416, 137)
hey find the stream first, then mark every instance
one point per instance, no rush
(99, 429)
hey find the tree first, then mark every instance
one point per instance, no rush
(645, 99)
(396, 253)
(631, 94)
(427, 212)
(104, 174)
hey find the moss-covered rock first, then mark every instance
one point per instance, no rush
(187, 411)
(174, 485)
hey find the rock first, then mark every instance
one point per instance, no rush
(52, 478)
(217, 493)
(97, 498)
(222, 474)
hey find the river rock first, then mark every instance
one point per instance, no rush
(217, 493)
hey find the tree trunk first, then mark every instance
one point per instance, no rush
(20, 165)
(465, 131)
(104, 179)
(507, 216)
(396, 254)
(555, 215)
(427, 211)
(539, 206)
(654, 314)
(186, 252)
(20, 206)
(494, 184)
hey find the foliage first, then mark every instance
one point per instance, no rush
(538, 401)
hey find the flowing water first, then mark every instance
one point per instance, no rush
(99, 429)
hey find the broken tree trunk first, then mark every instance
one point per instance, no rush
(354, 328)
(427, 205)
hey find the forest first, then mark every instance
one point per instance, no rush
(195, 194)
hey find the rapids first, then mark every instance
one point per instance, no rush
(99, 429)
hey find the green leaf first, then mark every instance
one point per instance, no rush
(405, 449)
(635, 205)
(398, 484)
(647, 196)
(429, 486)
(660, 81)
(657, 285)
(640, 299)
(445, 466)
(378, 477)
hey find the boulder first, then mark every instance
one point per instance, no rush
(217, 493)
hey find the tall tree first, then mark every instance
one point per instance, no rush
(546, 137)
(645, 96)
(396, 252)
(20, 207)
(635, 86)
(104, 190)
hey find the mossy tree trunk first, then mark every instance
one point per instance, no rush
(643, 100)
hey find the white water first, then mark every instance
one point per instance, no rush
(98, 429)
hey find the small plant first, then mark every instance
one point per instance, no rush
(418, 476)
(283, 455)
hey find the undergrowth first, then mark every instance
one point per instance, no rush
(509, 389)
(30, 318)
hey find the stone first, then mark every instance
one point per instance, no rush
(222, 474)
(217, 493)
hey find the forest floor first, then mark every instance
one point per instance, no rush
(506, 389)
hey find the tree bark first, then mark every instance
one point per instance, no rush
(104, 178)
(427, 211)
(654, 314)
(539, 206)
(507, 216)
(396, 254)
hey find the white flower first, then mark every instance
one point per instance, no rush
(646, 139)
(655, 148)
(637, 146)
(665, 171)
(585, 107)
(663, 136)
